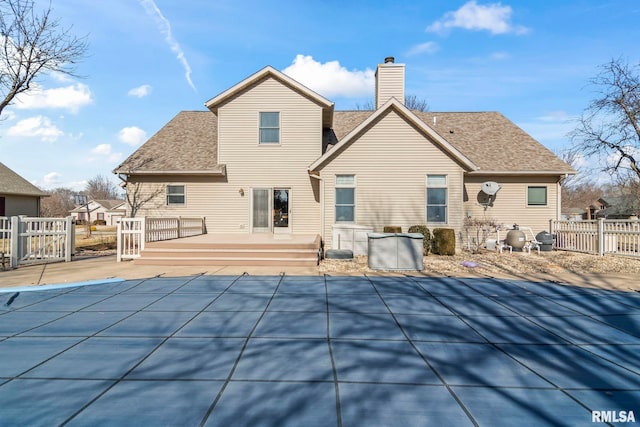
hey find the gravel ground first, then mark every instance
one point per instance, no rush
(489, 263)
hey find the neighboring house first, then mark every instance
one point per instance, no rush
(574, 214)
(17, 195)
(109, 211)
(608, 207)
(272, 156)
(619, 207)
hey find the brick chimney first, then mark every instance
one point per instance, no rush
(389, 81)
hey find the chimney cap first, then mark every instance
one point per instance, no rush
(389, 60)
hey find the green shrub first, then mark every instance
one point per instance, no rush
(422, 229)
(99, 222)
(444, 241)
(392, 229)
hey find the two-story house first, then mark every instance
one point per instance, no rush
(272, 156)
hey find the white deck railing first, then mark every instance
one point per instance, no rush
(5, 241)
(26, 240)
(133, 233)
(161, 228)
(599, 237)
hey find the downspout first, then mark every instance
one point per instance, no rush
(321, 191)
(559, 197)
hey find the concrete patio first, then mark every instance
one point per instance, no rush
(312, 350)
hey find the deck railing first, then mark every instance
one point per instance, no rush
(164, 228)
(599, 237)
(27, 240)
(133, 233)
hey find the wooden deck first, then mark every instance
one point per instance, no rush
(235, 249)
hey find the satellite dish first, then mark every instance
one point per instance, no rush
(490, 188)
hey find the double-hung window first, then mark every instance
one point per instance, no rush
(345, 198)
(436, 199)
(269, 128)
(537, 196)
(175, 195)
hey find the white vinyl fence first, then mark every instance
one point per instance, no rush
(133, 233)
(28, 240)
(599, 237)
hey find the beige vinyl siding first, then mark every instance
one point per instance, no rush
(201, 194)
(389, 83)
(510, 205)
(253, 165)
(21, 205)
(391, 160)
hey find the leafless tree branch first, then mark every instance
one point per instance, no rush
(31, 44)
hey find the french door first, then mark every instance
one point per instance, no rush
(271, 210)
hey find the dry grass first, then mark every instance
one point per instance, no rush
(102, 241)
(490, 263)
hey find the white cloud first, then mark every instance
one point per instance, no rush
(69, 98)
(499, 55)
(132, 135)
(165, 28)
(556, 116)
(38, 126)
(493, 17)
(51, 179)
(140, 91)
(8, 115)
(102, 149)
(105, 154)
(428, 47)
(331, 79)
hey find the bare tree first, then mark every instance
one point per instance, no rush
(138, 194)
(412, 102)
(609, 128)
(33, 43)
(101, 187)
(58, 204)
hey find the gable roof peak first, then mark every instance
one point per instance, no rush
(268, 71)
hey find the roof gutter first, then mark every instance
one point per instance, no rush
(521, 172)
(212, 172)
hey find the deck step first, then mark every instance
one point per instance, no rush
(275, 253)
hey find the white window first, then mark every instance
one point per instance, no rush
(537, 196)
(345, 198)
(436, 199)
(269, 128)
(175, 195)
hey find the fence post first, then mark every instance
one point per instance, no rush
(601, 236)
(69, 244)
(119, 240)
(143, 235)
(15, 242)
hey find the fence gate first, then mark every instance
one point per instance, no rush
(37, 240)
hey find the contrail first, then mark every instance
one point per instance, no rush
(165, 28)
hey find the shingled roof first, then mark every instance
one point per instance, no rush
(489, 139)
(188, 144)
(12, 183)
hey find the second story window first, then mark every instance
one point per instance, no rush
(269, 128)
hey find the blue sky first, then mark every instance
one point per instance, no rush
(150, 59)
